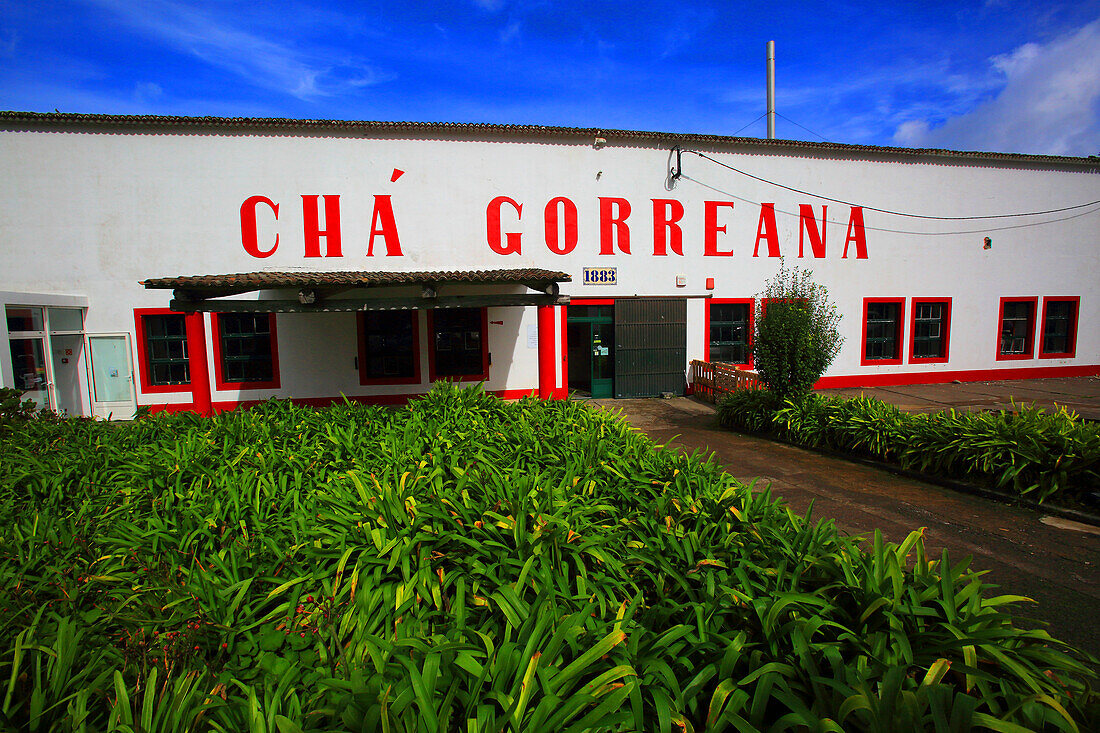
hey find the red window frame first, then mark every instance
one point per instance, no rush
(1030, 351)
(216, 341)
(145, 373)
(751, 303)
(946, 326)
(899, 337)
(361, 327)
(1072, 340)
(484, 375)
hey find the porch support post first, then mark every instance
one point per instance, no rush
(547, 373)
(196, 359)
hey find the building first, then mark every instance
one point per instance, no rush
(201, 263)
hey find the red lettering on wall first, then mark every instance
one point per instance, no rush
(613, 227)
(855, 234)
(249, 235)
(711, 228)
(492, 226)
(666, 232)
(807, 228)
(767, 231)
(312, 227)
(565, 245)
(382, 223)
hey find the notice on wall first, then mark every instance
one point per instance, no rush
(532, 336)
(600, 276)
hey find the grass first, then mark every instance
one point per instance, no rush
(470, 564)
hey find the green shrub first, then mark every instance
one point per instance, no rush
(1031, 452)
(470, 564)
(796, 336)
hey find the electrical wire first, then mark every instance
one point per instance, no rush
(752, 123)
(788, 119)
(983, 230)
(890, 211)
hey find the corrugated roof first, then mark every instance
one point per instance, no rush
(271, 280)
(13, 119)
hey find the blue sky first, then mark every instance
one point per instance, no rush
(997, 75)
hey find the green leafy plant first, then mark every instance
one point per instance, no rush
(472, 564)
(796, 333)
(1029, 452)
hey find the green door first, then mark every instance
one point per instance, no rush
(591, 330)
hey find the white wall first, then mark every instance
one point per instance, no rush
(94, 213)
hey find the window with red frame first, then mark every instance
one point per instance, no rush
(1059, 327)
(458, 345)
(931, 330)
(1017, 328)
(389, 347)
(246, 348)
(165, 336)
(730, 332)
(882, 330)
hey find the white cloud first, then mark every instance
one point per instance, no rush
(263, 62)
(1049, 103)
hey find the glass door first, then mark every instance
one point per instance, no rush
(591, 334)
(112, 376)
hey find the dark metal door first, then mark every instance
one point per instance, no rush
(650, 346)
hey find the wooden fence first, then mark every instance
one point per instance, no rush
(711, 381)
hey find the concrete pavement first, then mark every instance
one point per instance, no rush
(1053, 561)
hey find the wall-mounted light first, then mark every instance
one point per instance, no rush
(599, 142)
(988, 243)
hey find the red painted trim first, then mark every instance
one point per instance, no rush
(1031, 328)
(484, 376)
(361, 328)
(591, 301)
(562, 390)
(198, 365)
(899, 339)
(973, 375)
(750, 302)
(216, 339)
(145, 374)
(1076, 300)
(547, 377)
(945, 326)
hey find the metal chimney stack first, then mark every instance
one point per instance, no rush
(771, 90)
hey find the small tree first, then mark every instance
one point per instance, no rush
(796, 336)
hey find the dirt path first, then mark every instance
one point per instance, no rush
(1053, 561)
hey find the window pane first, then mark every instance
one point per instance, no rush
(729, 332)
(166, 349)
(21, 318)
(1058, 327)
(1017, 325)
(458, 342)
(66, 319)
(246, 347)
(390, 344)
(882, 331)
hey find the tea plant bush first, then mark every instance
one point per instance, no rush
(469, 564)
(1032, 452)
(796, 333)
